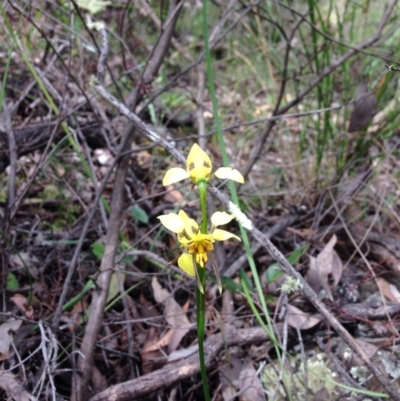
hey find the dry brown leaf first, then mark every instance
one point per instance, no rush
(173, 195)
(169, 338)
(181, 331)
(22, 303)
(182, 353)
(303, 232)
(162, 342)
(325, 261)
(350, 359)
(99, 381)
(395, 292)
(390, 291)
(383, 286)
(113, 289)
(23, 260)
(250, 384)
(78, 314)
(6, 336)
(337, 268)
(150, 359)
(313, 278)
(229, 373)
(147, 309)
(13, 387)
(348, 189)
(299, 319)
(174, 314)
(326, 264)
(369, 348)
(322, 395)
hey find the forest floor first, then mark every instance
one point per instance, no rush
(94, 305)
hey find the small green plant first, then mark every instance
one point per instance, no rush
(274, 271)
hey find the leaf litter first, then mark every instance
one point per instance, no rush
(325, 267)
(49, 221)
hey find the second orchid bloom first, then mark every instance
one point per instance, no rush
(197, 246)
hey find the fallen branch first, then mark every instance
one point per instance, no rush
(180, 370)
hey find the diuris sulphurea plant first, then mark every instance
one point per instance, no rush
(197, 241)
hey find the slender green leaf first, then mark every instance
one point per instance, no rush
(139, 214)
(12, 282)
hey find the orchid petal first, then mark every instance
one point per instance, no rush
(222, 235)
(185, 262)
(198, 164)
(190, 225)
(229, 173)
(174, 175)
(172, 222)
(204, 237)
(221, 218)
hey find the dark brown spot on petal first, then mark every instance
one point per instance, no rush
(206, 164)
(191, 166)
(194, 230)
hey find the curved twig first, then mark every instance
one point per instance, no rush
(180, 370)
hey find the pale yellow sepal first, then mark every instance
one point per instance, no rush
(221, 218)
(230, 173)
(185, 262)
(222, 235)
(172, 222)
(174, 175)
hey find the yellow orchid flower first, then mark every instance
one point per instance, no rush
(197, 247)
(198, 169)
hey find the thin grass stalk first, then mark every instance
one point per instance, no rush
(326, 135)
(234, 196)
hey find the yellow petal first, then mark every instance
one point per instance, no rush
(174, 175)
(172, 222)
(198, 164)
(190, 225)
(221, 218)
(222, 235)
(185, 262)
(201, 238)
(229, 173)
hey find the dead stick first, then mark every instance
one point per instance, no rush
(182, 369)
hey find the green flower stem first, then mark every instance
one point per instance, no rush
(234, 195)
(203, 204)
(201, 323)
(200, 297)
